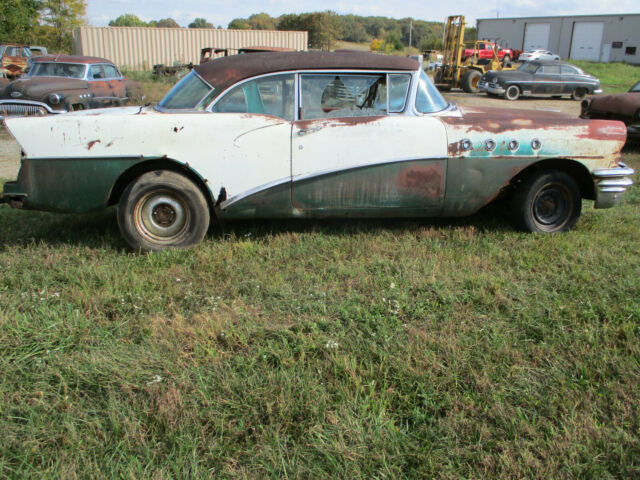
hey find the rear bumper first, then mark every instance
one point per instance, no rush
(610, 184)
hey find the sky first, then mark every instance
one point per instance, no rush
(99, 12)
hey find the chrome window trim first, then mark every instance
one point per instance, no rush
(298, 92)
(158, 108)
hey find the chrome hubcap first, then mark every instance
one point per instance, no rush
(161, 216)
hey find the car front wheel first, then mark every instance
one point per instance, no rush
(163, 209)
(548, 201)
(512, 92)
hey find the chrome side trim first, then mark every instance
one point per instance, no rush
(610, 184)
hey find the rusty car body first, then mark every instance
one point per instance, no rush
(13, 59)
(311, 134)
(62, 83)
(619, 106)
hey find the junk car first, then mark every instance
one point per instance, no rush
(619, 106)
(13, 59)
(312, 134)
(538, 54)
(540, 78)
(62, 83)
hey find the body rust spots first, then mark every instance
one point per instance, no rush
(425, 181)
(92, 143)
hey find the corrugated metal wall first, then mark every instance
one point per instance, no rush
(139, 48)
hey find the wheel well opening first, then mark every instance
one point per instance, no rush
(159, 164)
(572, 168)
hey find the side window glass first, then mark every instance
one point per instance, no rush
(568, 70)
(110, 71)
(26, 52)
(337, 95)
(428, 99)
(272, 95)
(550, 69)
(95, 72)
(398, 89)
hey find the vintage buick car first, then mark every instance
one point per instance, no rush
(13, 59)
(619, 106)
(540, 78)
(62, 83)
(310, 134)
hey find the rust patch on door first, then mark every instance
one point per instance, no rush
(423, 180)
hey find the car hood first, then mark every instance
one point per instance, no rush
(626, 104)
(35, 88)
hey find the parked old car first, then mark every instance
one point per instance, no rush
(538, 54)
(484, 50)
(61, 83)
(620, 106)
(312, 134)
(550, 78)
(13, 59)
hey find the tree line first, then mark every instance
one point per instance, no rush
(49, 23)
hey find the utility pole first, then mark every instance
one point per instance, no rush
(410, 29)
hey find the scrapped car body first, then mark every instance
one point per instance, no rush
(13, 59)
(540, 55)
(62, 83)
(540, 78)
(310, 134)
(619, 106)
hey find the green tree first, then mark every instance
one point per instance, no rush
(239, 24)
(127, 20)
(262, 21)
(200, 23)
(18, 20)
(63, 16)
(164, 23)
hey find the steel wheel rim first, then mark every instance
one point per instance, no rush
(161, 216)
(552, 207)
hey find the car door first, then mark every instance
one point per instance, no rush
(570, 78)
(116, 84)
(547, 80)
(102, 93)
(252, 134)
(351, 155)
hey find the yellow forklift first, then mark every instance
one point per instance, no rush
(456, 73)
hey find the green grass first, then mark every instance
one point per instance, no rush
(346, 349)
(614, 77)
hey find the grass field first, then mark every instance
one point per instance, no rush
(347, 349)
(614, 77)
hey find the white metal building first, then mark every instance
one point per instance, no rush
(139, 48)
(599, 38)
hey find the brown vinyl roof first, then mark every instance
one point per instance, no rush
(70, 59)
(225, 71)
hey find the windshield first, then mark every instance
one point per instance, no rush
(54, 69)
(188, 93)
(528, 67)
(428, 99)
(635, 88)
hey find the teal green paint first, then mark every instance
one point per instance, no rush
(68, 185)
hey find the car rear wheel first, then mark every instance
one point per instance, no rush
(579, 93)
(548, 201)
(470, 81)
(512, 92)
(163, 209)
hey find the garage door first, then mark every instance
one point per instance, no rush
(536, 35)
(586, 41)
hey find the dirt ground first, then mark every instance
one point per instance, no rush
(10, 152)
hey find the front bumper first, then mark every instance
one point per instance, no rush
(610, 184)
(25, 108)
(490, 88)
